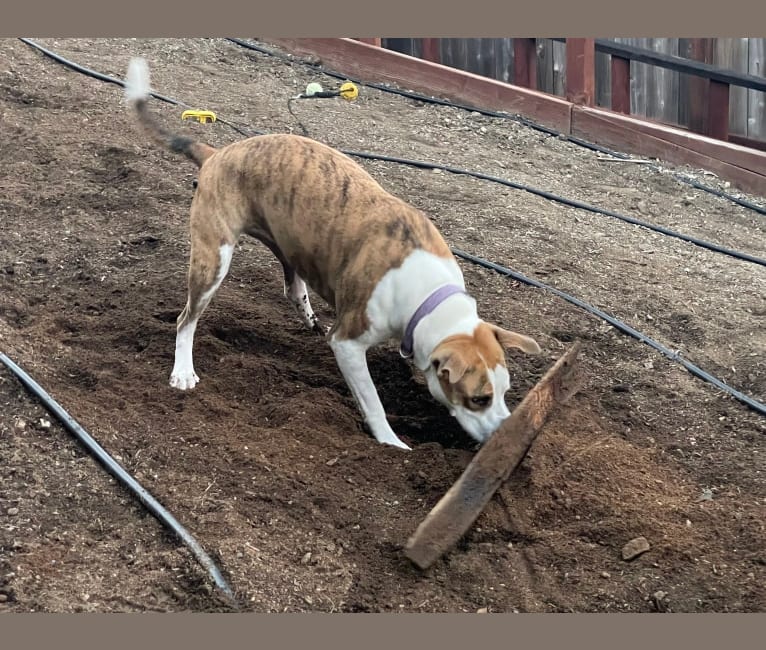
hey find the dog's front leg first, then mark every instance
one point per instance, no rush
(352, 361)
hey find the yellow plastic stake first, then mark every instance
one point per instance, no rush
(349, 91)
(201, 116)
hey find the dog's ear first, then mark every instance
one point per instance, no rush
(448, 362)
(509, 339)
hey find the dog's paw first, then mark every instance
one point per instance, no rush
(395, 442)
(319, 329)
(184, 382)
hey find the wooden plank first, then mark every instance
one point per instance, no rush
(559, 55)
(639, 84)
(525, 62)
(581, 70)
(732, 54)
(370, 41)
(665, 103)
(490, 467)
(725, 151)
(461, 53)
(620, 85)
(374, 64)
(694, 91)
(748, 142)
(430, 49)
(545, 81)
(401, 45)
(756, 101)
(504, 60)
(743, 167)
(446, 52)
(718, 111)
(604, 80)
(487, 57)
(551, 66)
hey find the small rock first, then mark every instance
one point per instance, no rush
(660, 602)
(3, 598)
(482, 610)
(20, 424)
(44, 424)
(707, 495)
(634, 548)
(12, 512)
(332, 462)
(606, 574)
(306, 558)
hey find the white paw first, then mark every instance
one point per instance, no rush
(395, 442)
(185, 381)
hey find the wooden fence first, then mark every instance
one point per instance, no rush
(657, 93)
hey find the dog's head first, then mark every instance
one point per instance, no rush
(467, 373)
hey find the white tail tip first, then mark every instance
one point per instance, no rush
(137, 80)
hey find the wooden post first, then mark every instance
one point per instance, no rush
(581, 70)
(430, 49)
(525, 62)
(370, 41)
(718, 111)
(620, 84)
(698, 95)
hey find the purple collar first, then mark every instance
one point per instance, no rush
(426, 307)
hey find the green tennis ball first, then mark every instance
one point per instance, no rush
(313, 88)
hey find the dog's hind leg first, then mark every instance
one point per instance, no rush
(296, 291)
(207, 268)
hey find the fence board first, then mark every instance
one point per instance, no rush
(732, 53)
(504, 61)
(756, 107)
(603, 80)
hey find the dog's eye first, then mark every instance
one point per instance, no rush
(481, 400)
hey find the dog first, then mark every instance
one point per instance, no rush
(380, 262)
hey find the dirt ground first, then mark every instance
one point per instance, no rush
(267, 462)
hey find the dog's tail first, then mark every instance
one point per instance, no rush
(137, 94)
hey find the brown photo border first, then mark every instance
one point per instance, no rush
(497, 18)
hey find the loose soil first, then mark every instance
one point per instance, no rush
(267, 462)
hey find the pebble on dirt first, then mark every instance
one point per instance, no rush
(634, 548)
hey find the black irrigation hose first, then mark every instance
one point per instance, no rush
(121, 475)
(516, 118)
(500, 269)
(426, 165)
(623, 327)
